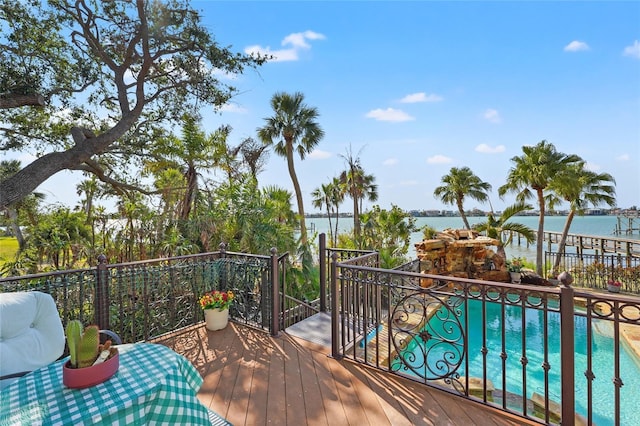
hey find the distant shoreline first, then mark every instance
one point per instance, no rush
(627, 213)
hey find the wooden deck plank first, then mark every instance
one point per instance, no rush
(314, 407)
(252, 378)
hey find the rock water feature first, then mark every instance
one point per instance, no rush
(462, 253)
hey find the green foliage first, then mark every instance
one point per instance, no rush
(502, 228)
(429, 232)
(385, 231)
(162, 45)
(459, 184)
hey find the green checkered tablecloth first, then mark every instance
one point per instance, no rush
(153, 385)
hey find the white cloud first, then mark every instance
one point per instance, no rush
(623, 157)
(389, 114)
(486, 149)
(297, 41)
(300, 39)
(318, 154)
(439, 159)
(576, 46)
(233, 108)
(492, 116)
(633, 50)
(390, 162)
(420, 97)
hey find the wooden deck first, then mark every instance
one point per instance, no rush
(251, 378)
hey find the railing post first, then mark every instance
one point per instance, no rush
(567, 352)
(335, 315)
(101, 303)
(275, 293)
(323, 272)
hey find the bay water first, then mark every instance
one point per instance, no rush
(604, 226)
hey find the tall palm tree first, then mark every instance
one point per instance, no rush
(293, 128)
(461, 183)
(580, 188)
(502, 230)
(358, 185)
(531, 176)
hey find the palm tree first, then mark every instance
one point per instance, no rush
(502, 230)
(461, 183)
(322, 198)
(358, 185)
(534, 170)
(190, 154)
(330, 196)
(580, 188)
(293, 128)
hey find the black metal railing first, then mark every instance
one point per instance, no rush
(596, 271)
(473, 338)
(146, 299)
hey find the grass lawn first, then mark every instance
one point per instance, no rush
(8, 249)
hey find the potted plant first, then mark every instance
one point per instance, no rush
(216, 308)
(514, 266)
(614, 286)
(89, 361)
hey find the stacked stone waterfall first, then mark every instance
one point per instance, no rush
(462, 253)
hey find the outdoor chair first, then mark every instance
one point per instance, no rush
(31, 334)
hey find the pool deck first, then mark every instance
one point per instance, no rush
(252, 378)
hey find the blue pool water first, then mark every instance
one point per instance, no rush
(602, 359)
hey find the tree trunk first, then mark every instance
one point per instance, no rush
(15, 226)
(540, 237)
(356, 220)
(464, 217)
(296, 187)
(563, 241)
(86, 145)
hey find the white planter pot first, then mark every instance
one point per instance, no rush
(515, 277)
(216, 319)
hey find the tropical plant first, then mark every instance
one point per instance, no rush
(292, 128)
(530, 176)
(502, 229)
(581, 188)
(388, 232)
(461, 183)
(190, 154)
(330, 196)
(359, 186)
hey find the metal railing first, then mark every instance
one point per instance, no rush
(472, 337)
(595, 271)
(146, 299)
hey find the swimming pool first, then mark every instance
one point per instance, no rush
(602, 358)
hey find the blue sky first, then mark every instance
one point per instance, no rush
(415, 88)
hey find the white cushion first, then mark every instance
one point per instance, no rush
(31, 332)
